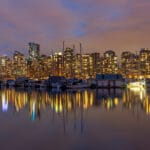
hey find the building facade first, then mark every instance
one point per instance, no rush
(5, 68)
(19, 65)
(144, 57)
(34, 51)
(68, 63)
(109, 63)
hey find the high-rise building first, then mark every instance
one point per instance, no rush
(58, 64)
(19, 65)
(87, 66)
(145, 62)
(130, 65)
(109, 63)
(126, 63)
(34, 51)
(96, 63)
(34, 69)
(77, 66)
(43, 67)
(5, 67)
(68, 63)
(50, 65)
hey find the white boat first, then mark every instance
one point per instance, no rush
(136, 84)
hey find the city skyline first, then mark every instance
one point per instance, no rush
(76, 48)
(98, 25)
(69, 64)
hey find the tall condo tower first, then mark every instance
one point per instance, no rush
(34, 51)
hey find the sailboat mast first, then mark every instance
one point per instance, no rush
(63, 47)
(52, 63)
(72, 67)
(81, 60)
(63, 51)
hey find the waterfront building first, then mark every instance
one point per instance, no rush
(19, 65)
(96, 63)
(34, 51)
(83, 66)
(5, 67)
(109, 63)
(68, 63)
(126, 63)
(135, 70)
(34, 69)
(144, 57)
(130, 65)
(77, 66)
(87, 66)
(50, 65)
(57, 64)
(43, 69)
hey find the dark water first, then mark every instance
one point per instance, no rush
(75, 120)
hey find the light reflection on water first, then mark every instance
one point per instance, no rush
(81, 110)
(108, 99)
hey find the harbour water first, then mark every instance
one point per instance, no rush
(75, 120)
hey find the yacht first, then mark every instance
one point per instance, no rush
(77, 84)
(136, 83)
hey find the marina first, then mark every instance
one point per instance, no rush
(60, 82)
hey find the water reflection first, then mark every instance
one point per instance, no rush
(137, 101)
(71, 101)
(88, 119)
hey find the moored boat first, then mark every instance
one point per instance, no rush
(136, 84)
(77, 84)
(10, 83)
(2, 83)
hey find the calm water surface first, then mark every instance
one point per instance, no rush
(74, 120)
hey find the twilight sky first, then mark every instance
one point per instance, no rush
(98, 24)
